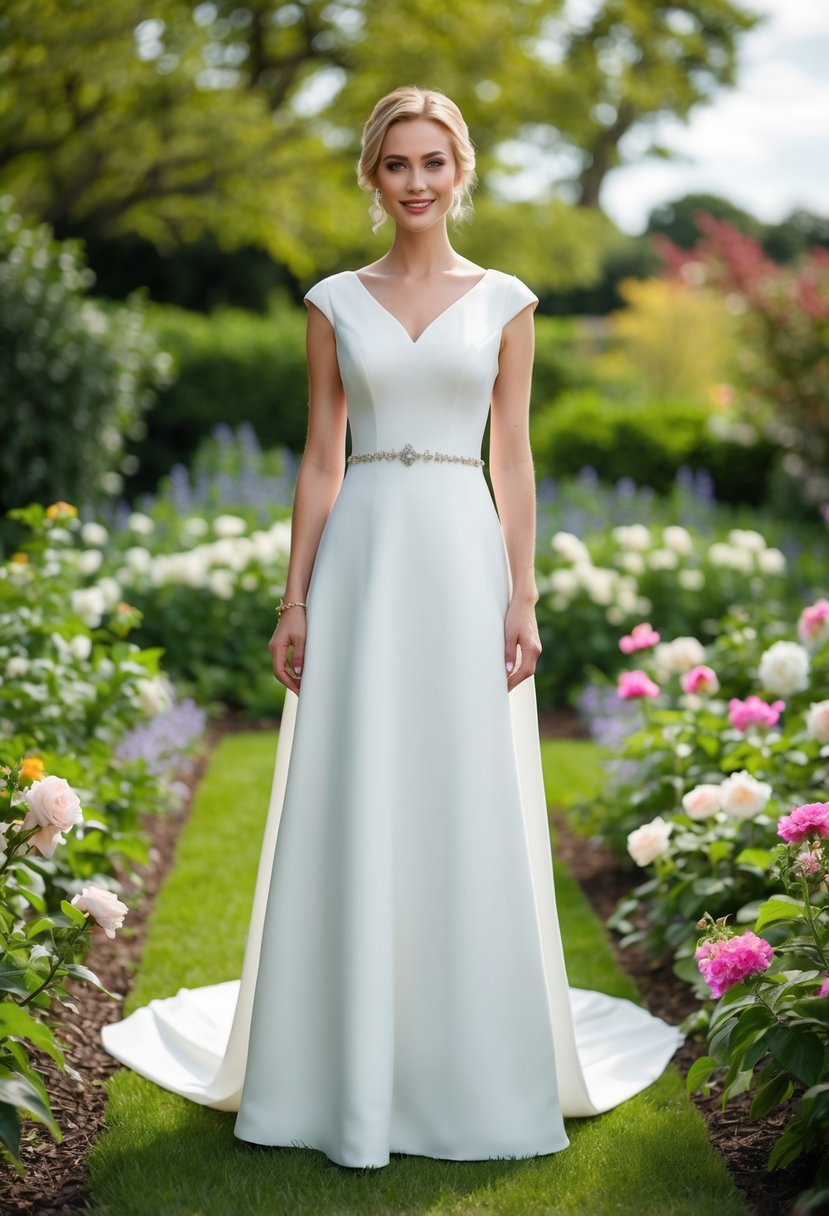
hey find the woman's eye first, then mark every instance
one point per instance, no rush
(436, 163)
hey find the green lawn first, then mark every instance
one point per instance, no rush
(163, 1156)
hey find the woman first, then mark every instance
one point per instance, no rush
(403, 987)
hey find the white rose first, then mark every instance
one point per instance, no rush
(80, 647)
(570, 547)
(650, 841)
(702, 801)
(153, 696)
(110, 590)
(88, 603)
(743, 796)
(817, 721)
(229, 525)
(90, 561)
(94, 534)
(54, 807)
(599, 584)
(678, 539)
(17, 666)
(141, 524)
(784, 669)
(691, 580)
(771, 561)
(103, 906)
(676, 657)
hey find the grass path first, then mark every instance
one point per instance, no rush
(163, 1156)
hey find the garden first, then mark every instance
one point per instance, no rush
(151, 438)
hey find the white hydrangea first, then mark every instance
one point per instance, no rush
(153, 695)
(141, 524)
(633, 536)
(89, 604)
(94, 534)
(229, 525)
(570, 547)
(677, 538)
(691, 580)
(195, 527)
(139, 560)
(80, 647)
(90, 561)
(771, 561)
(663, 559)
(676, 657)
(745, 538)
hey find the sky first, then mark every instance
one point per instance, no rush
(764, 144)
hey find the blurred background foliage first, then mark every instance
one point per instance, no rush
(175, 176)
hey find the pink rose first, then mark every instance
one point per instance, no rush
(803, 820)
(55, 808)
(650, 841)
(641, 637)
(699, 681)
(824, 988)
(103, 906)
(726, 962)
(813, 626)
(636, 684)
(754, 711)
(809, 861)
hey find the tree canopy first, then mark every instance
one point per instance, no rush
(241, 119)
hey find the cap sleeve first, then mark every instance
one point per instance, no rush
(320, 295)
(518, 297)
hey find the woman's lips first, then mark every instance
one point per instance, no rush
(421, 205)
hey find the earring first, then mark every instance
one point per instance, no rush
(376, 212)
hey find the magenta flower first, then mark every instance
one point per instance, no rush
(641, 637)
(729, 961)
(803, 820)
(700, 680)
(809, 861)
(824, 988)
(636, 684)
(754, 711)
(813, 626)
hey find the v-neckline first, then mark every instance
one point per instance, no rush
(434, 320)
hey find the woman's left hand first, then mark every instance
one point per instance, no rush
(522, 644)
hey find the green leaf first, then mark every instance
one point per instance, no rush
(789, 1147)
(72, 912)
(78, 972)
(18, 1022)
(769, 1095)
(760, 859)
(10, 1128)
(19, 1092)
(699, 1072)
(777, 909)
(799, 1051)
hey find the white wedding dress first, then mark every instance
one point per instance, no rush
(403, 987)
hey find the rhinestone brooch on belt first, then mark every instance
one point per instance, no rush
(408, 455)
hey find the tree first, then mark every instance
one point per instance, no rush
(631, 62)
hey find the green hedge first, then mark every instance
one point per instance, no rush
(234, 366)
(230, 367)
(648, 443)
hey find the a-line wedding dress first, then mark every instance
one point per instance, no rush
(403, 987)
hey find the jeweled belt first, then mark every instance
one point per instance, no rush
(408, 456)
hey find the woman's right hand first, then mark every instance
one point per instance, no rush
(289, 635)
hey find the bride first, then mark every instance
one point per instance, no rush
(403, 987)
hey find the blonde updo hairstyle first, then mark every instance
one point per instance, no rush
(403, 105)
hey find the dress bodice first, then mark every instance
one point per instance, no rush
(434, 392)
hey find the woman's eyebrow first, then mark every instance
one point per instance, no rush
(426, 156)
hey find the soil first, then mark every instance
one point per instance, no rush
(56, 1179)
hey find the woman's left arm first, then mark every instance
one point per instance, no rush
(513, 481)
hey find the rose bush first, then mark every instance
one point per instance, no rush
(769, 1031)
(705, 769)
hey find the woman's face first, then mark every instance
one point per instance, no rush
(417, 173)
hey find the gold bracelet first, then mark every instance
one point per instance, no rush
(283, 604)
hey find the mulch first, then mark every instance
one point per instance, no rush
(55, 1182)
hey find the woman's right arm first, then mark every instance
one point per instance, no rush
(319, 479)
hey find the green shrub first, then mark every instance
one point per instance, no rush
(230, 367)
(648, 443)
(75, 378)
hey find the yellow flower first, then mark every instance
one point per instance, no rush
(61, 510)
(32, 769)
(20, 559)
